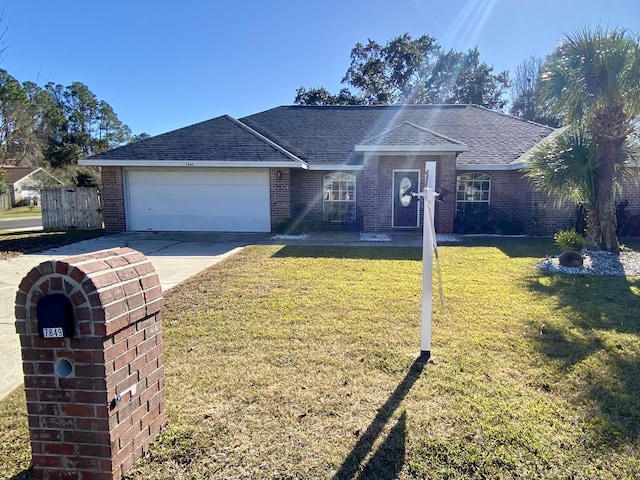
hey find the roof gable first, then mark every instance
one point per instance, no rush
(218, 141)
(16, 174)
(410, 137)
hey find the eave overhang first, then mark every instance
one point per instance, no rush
(490, 167)
(193, 164)
(335, 167)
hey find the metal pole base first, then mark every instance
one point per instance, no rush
(424, 356)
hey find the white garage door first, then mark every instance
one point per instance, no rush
(213, 200)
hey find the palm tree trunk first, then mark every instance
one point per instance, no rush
(606, 206)
(593, 233)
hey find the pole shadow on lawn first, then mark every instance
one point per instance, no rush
(387, 461)
(24, 475)
(597, 306)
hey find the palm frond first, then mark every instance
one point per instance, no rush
(566, 169)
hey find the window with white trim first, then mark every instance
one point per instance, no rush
(339, 197)
(473, 191)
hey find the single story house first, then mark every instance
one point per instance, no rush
(333, 166)
(22, 182)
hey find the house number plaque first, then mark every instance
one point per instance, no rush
(53, 332)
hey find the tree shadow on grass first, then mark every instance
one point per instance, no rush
(366, 252)
(513, 247)
(599, 326)
(388, 459)
(594, 301)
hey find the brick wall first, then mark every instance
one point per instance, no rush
(113, 205)
(280, 195)
(630, 191)
(78, 430)
(378, 180)
(534, 213)
(307, 193)
(446, 179)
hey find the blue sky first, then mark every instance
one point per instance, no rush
(166, 64)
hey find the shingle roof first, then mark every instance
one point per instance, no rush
(222, 139)
(410, 134)
(329, 134)
(14, 174)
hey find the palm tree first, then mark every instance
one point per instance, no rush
(592, 80)
(567, 169)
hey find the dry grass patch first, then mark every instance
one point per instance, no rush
(299, 362)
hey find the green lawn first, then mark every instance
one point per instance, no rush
(19, 212)
(299, 362)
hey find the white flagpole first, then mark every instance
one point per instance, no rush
(428, 241)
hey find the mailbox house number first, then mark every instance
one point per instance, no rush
(55, 316)
(52, 333)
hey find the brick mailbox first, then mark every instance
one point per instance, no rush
(90, 331)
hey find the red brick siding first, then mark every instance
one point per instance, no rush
(446, 208)
(280, 195)
(113, 205)
(307, 193)
(534, 213)
(117, 300)
(299, 192)
(630, 191)
(378, 179)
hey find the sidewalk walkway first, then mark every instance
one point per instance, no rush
(348, 238)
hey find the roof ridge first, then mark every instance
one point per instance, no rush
(395, 106)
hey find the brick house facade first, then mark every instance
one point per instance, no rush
(478, 156)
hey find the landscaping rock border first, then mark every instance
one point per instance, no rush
(598, 262)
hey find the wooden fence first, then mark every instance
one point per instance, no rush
(5, 202)
(70, 208)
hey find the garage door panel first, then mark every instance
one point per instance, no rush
(194, 208)
(198, 200)
(186, 223)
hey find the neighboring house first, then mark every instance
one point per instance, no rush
(22, 182)
(347, 166)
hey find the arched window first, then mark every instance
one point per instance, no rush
(339, 197)
(473, 191)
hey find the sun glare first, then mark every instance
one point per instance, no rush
(468, 24)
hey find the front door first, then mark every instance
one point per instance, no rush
(405, 206)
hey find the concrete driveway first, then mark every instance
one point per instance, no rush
(175, 256)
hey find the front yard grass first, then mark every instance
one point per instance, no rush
(20, 212)
(299, 362)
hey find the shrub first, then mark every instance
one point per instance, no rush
(23, 202)
(86, 178)
(570, 240)
(482, 220)
(628, 223)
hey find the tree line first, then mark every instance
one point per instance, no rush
(53, 126)
(409, 70)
